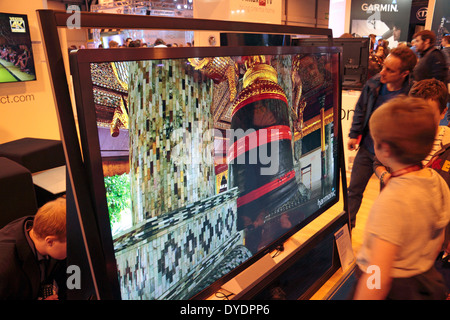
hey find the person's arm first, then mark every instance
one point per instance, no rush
(382, 172)
(353, 144)
(359, 114)
(376, 285)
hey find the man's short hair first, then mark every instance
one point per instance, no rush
(426, 34)
(431, 89)
(408, 125)
(134, 44)
(50, 220)
(406, 55)
(446, 38)
(113, 44)
(159, 42)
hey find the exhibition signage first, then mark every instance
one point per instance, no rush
(388, 19)
(441, 19)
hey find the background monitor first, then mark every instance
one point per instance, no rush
(202, 160)
(16, 53)
(355, 58)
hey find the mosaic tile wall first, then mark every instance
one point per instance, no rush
(171, 120)
(184, 236)
(173, 255)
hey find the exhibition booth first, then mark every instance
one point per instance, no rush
(229, 151)
(216, 171)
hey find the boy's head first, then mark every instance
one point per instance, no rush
(434, 91)
(49, 229)
(407, 125)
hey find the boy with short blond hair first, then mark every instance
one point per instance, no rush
(435, 93)
(405, 227)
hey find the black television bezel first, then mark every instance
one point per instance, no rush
(230, 39)
(25, 16)
(340, 221)
(80, 61)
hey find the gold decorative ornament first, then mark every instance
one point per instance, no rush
(120, 117)
(218, 69)
(260, 82)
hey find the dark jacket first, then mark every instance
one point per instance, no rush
(19, 270)
(366, 102)
(446, 52)
(432, 64)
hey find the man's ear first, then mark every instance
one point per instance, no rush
(444, 113)
(405, 73)
(384, 149)
(49, 240)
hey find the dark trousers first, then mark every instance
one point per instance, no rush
(425, 286)
(361, 172)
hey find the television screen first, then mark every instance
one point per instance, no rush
(205, 159)
(355, 58)
(16, 54)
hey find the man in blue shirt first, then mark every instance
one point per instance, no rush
(394, 79)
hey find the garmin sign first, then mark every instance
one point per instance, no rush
(386, 19)
(381, 7)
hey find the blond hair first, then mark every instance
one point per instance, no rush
(408, 125)
(50, 220)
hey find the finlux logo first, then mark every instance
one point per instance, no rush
(380, 7)
(262, 3)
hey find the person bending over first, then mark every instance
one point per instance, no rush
(32, 255)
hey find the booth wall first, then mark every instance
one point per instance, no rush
(27, 109)
(306, 13)
(349, 100)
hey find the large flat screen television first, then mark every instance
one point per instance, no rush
(355, 58)
(202, 160)
(16, 52)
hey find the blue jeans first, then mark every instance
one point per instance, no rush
(361, 172)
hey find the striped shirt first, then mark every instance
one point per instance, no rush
(437, 144)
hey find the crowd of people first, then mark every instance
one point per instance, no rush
(379, 50)
(130, 43)
(396, 132)
(158, 43)
(19, 55)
